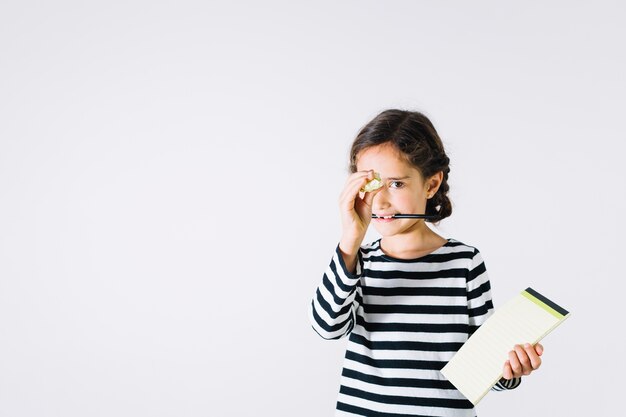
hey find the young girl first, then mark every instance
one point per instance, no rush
(409, 300)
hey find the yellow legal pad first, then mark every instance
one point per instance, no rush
(477, 366)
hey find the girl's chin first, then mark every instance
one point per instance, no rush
(391, 227)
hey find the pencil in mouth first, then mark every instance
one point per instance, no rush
(404, 216)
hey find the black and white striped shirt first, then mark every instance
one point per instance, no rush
(405, 320)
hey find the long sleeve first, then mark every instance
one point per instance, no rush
(480, 307)
(333, 306)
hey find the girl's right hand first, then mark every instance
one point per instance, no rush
(356, 212)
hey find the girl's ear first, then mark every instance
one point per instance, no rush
(433, 184)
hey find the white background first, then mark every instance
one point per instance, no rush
(170, 171)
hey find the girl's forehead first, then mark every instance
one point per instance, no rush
(386, 160)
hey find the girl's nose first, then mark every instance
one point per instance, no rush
(381, 199)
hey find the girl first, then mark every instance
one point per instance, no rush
(409, 300)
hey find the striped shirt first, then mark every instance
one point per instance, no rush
(405, 320)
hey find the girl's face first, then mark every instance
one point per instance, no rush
(404, 190)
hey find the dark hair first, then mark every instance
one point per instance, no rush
(412, 134)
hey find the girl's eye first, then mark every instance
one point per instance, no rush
(396, 184)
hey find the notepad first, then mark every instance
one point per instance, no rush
(477, 366)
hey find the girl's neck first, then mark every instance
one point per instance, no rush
(413, 244)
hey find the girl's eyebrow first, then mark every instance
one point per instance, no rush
(398, 178)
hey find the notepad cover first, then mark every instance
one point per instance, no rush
(477, 366)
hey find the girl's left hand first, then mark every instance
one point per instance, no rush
(523, 359)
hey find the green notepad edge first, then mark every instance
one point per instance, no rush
(545, 303)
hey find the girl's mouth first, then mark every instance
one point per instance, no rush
(384, 219)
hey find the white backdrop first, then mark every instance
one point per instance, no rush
(170, 172)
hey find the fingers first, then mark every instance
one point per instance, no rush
(535, 360)
(353, 187)
(507, 373)
(516, 366)
(539, 349)
(523, 360)
(369, 197)
(356, 210)
(353, 184)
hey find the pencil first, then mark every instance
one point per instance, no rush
(407, 216)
